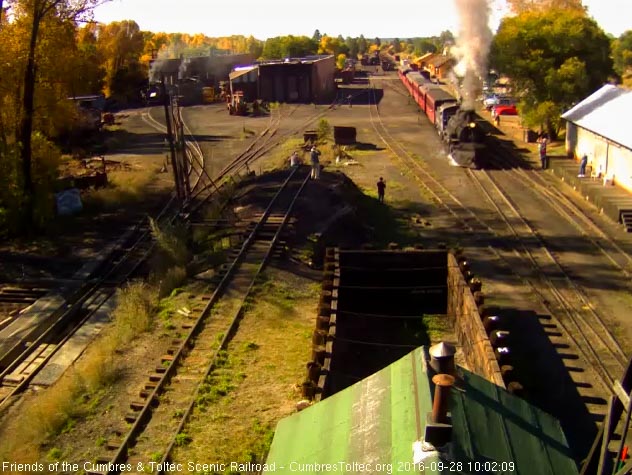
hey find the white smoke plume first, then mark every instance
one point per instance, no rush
(472, 48)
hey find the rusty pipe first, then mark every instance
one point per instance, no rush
(443, 384)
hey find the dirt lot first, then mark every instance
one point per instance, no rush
(409, 217)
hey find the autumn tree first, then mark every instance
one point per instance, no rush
(34, 13)
(524, 6)
(122, 45)
(331, 45)
(89, 73)
(622, 57)
(554, 59)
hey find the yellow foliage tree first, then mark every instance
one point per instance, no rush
(523, 6)
(121, 44)
(340, 61)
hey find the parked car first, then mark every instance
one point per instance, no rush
(504, 110)
(496, 100)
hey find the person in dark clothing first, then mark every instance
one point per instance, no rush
(381, 187)
(582, 166)
(314, 154)
(544, 159)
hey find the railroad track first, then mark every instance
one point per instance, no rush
(196, 356)
(515, 238)
(603, 243)
(30, 353)
(548, 278)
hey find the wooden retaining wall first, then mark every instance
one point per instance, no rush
(463, 309)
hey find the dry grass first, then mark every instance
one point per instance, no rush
(172, 243)
(169, 262)
(135, 309)
(280, 156)
(259, 383)
(125, 187)
(55, 410)
(173, 278)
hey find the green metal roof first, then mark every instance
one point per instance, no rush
(376, 421)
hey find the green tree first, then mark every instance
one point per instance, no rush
(423, 46)
(352, 45)
(377, 41)
(342, 46)
(622, 57)
(316, 36)
(557, 57)
(363, 45)
(446, 38)
(396, 46)
(288, 46)
(254, 46)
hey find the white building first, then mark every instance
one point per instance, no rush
(600, 127)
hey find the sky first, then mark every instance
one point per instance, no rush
(268, 18)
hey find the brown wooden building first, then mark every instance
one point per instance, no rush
(303, 80)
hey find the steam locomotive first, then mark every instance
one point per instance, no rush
(457, 127)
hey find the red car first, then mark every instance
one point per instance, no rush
(504, 110)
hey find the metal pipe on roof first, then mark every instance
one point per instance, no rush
(443, 384)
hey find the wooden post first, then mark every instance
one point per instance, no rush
(172, 148)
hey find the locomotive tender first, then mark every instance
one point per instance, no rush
(456, 127)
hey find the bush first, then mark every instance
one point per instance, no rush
(134, 310)
(323, 130)
(172, 243)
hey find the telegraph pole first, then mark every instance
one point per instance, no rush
(172, 148)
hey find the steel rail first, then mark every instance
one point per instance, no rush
(144, 414)
(479, 225)
(229, 334)
(59, 326)
(607, 342)
(571, 213)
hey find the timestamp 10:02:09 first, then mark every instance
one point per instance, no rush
(458, 467)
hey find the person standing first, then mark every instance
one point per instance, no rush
(314, 154)
(381, 187)
(544, 159)
(295, 161)
(582, 166)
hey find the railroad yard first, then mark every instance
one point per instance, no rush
(224, 357)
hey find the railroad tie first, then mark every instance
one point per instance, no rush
(131, 417)
(12, 379)
(112, 445)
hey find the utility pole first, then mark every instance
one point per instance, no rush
(172, 148)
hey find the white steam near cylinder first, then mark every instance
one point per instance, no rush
(472, 48)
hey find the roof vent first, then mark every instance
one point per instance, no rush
(442, 358)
